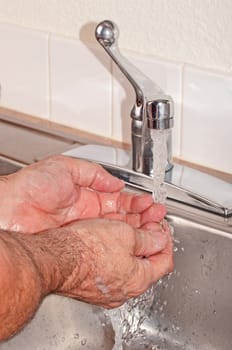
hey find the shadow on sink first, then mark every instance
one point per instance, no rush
(8, 167)
(192, 308)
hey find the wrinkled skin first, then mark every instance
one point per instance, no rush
(122, 262)
(59, 190)
(114, 246)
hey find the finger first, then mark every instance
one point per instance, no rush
(87, 205)
(169, 247)
(113, 304)
(133, 220)
(155, 267)
(134, 203)
(149, 243)
(164, 260)
(92, 175)
(155, 213)
(152, 226)
(124, 202)
(115, 216)
(109, 202)
(149, 271)
(162, 263)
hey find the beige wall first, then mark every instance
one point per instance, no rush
(198, 32)
(47, 72)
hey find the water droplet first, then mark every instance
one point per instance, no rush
(83, 341)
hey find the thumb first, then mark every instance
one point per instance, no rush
(149, 242)
(162, 263)
(156, 266)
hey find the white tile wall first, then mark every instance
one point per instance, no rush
(207, 119)
(80, 86)
(62, 80)
(24, 70)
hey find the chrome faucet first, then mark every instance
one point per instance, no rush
(153, 109)
(188, 190)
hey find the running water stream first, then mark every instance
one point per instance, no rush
(127, 320)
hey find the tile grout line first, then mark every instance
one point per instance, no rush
(49, 77)
(181, 111)
(112, 101)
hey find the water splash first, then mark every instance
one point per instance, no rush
(127, 320)
(159, 138)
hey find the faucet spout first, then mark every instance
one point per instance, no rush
(153, 109)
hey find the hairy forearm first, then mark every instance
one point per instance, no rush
(21, 287)
(31, 266)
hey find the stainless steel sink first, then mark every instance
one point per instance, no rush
(192, 309)
(7, 166)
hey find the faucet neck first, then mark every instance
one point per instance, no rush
(152, 110)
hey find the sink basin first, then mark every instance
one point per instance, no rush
(8, 167)
(192, 307)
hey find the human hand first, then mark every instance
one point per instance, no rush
(59, 190)
(99, 261)
(105, 262)
(117, 261)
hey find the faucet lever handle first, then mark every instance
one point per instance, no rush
(150, 99)
(107, 34)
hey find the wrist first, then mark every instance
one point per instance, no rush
(56, 254)
(31, 266)
(20, 285)
(45, 263)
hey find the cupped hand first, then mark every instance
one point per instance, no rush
(112, 261)
(59, 190)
